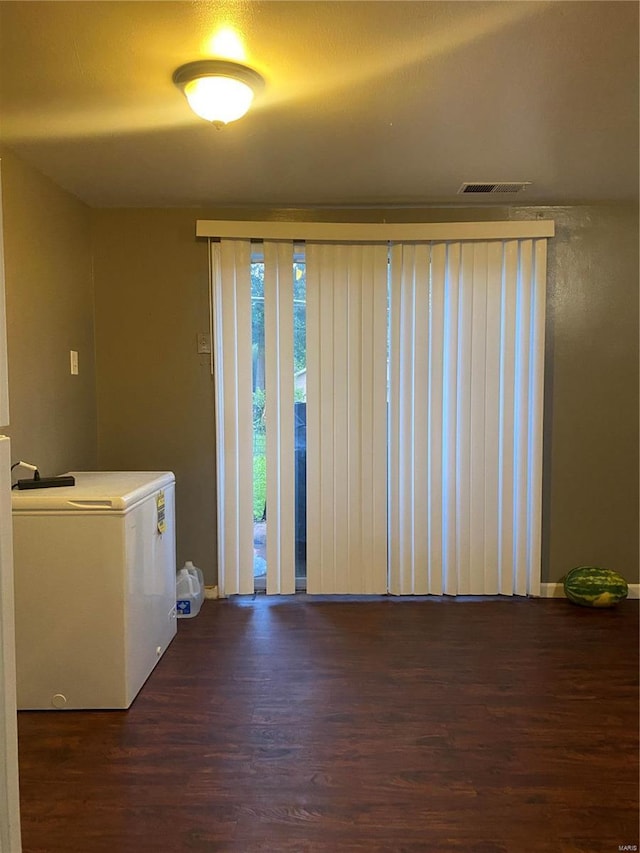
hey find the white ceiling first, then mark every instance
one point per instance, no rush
(366, 103)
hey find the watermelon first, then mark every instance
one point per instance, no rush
(591, 586)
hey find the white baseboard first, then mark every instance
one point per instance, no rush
(211, 592)
(556, 590)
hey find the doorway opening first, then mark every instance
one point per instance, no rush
(260, 401)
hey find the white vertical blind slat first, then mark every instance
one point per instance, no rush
(314, 431)
(397, 508)
(507, 417)
(435, 442)
(376, 411)
(407, 416)
(521, 424)
(492, 417)
(355, 345)
(233, 374)
(324, 515)
(419, 402)
(346, 420)
(462, 426)
(279, 415)
(536, 390)
(450, 408)
(338, 468)
(477, 436)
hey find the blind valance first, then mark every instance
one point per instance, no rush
(374, 232)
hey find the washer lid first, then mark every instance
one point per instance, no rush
(98, 491)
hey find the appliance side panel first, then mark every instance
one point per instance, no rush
(69, 590)
(151, 578)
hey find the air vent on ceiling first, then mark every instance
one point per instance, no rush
(504, 187)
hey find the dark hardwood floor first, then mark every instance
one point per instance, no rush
(499, 726)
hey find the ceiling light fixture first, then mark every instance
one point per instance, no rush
(217, 90)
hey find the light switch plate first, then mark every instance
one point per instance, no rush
(73, 357)
(204, 344)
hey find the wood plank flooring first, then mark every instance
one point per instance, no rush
(315, 726)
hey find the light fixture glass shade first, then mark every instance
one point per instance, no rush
(218, 99)
(218, 90)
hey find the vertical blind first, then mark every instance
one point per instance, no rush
(346, 418)
(467, 342)
(231, 304)
(424, 413)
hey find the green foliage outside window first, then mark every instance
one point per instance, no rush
(299, 363)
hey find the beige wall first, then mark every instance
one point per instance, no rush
(590, 508)
(155, 395)
(49, 295)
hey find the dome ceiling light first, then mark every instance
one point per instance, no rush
(218, 90)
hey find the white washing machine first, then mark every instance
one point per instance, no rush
(95, 587)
